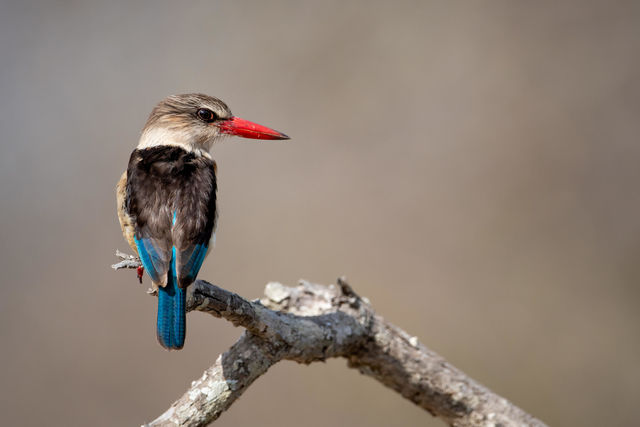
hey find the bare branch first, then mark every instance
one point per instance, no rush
(128, 261)
(312, 322)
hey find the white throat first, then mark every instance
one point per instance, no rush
(158, 136)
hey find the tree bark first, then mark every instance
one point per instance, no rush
(311, 322)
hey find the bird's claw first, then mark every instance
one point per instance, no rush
(140, 272)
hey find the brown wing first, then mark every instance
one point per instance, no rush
(126, 223)
(171, 199)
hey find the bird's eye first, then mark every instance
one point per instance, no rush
(206, 115)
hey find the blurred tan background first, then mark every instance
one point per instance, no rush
(472, 167)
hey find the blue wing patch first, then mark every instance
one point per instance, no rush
(189, 263)
(152, 259)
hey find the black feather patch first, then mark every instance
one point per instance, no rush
(166, 183)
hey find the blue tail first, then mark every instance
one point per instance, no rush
(171, 310)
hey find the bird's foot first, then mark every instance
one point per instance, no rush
(140, 272)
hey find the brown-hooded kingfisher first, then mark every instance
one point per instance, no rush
(167, 197)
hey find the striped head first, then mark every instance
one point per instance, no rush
(195, 121)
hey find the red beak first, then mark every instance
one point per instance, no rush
(246, 129)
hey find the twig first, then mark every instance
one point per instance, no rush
(313, 322)
(128, 261)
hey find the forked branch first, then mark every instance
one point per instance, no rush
(311, 322)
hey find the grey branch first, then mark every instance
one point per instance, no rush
(311, 322)
(128, 261)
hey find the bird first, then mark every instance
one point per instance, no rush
(166, 198)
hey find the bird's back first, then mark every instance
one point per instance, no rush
(170, 199)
